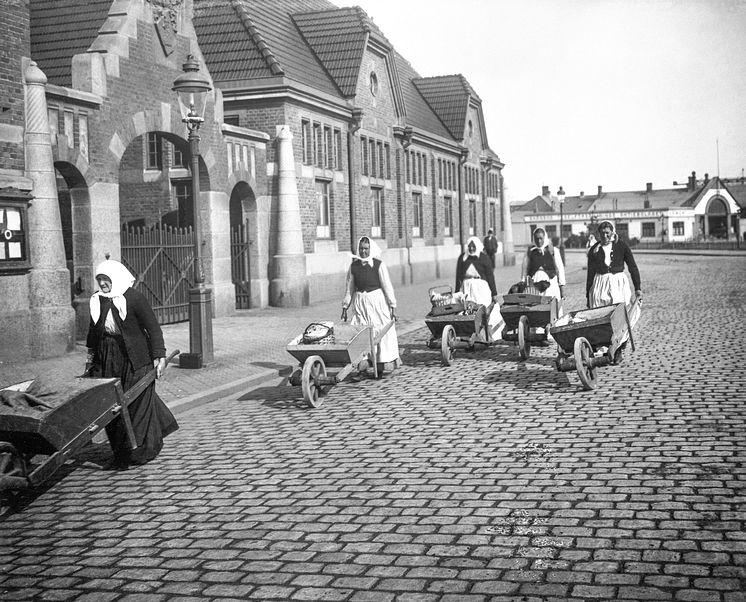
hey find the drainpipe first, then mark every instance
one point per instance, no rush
(404, 136)
(353, 127)
(461, 162)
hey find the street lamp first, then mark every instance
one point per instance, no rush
(192, 87)
(561, 199)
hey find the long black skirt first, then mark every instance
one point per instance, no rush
(151, 418)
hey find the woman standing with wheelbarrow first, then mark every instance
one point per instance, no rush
(370, 295)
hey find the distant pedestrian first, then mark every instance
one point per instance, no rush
(125, 341)
(490, 246)
(370, 295)
(591, 241)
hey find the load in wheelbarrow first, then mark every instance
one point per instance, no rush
(325, 364)
(528, 318)
(589, 339)
(456, 324)
(40, 430)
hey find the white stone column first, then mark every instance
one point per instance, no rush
(288, 286)
(52, 315)
(508, 246)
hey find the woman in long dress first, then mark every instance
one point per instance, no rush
(369, 296)
(543, 263)
(475, 277)
(125, 341)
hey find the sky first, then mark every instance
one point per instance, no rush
(588, 93)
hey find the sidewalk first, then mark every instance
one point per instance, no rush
(249, 347)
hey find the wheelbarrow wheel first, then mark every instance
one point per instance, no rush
(313, 393)
(447, 344)
(12, 475)
(524, 346)
(583, 353)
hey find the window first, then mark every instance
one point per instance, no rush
(364, 155)
(54, 121)
(373, 158)
(323, 229)
(69, 128)
(417, 214)
(377, 225)
(648, 229)
(623, 231)
(337, 149)
(13, 240)
(83, 135)
(178, 157)
(472, 218)
(381, 160)
(447, 215)
(551, 231)
(318, 145)
(373, 83)
(387, 159)
(678, 228)
(231, 119)
(493, 217)
(183, 199)
(566, 230)
(328, 146)
(306, 142)
(154, 157)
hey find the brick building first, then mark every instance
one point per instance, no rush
(316, 131)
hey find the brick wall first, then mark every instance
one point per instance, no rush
(14, 25)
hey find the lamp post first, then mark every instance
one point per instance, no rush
(191, 88)
(561, 199)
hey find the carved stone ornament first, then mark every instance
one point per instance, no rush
(165, 17)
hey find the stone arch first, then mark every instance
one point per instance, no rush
(245, 254)
(716, 218)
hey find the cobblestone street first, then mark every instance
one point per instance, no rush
(491, 479)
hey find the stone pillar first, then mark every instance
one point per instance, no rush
(288, 286)
(50, 309)
(508, 247)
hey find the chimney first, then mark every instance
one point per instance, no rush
(707, 178)
(545, 191)
(692, 181)
(600, 190)
(649, 187)
(582, 194)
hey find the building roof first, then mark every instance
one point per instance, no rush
(448, 96)
(245, 40)
(418, 112)
(60, 30)
(737, 189)
(538, 204)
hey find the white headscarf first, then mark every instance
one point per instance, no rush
(375, 251)
(606, 247)
(545, 244)
(478, 246)
(121, 280)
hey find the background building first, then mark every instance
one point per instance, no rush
(702, 210)
(316, 132)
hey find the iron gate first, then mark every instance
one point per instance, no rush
(161, 258)
(240, 265)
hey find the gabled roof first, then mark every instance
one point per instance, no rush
(418, 112)
(60, 30)
(538, 204)
(737, 189)
(257, 30)
(448, 96)
(338, 39)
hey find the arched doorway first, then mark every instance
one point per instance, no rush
(242, 208)
(716, 219)
(74, 204)
(156, 218)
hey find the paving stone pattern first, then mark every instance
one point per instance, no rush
(491, 479)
